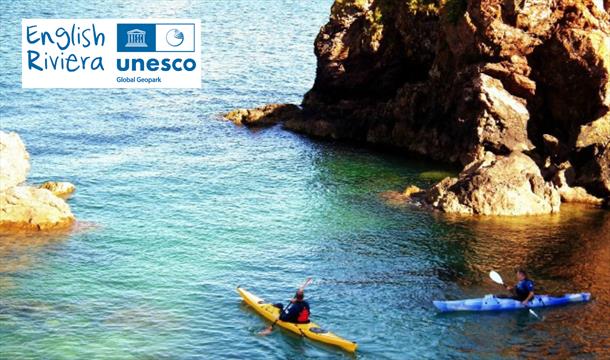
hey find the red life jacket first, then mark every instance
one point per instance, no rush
(303, 317)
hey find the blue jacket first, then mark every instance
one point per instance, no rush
(293, 310)
(524, 287)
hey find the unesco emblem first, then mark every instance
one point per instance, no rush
(174, 37)
(136, 38)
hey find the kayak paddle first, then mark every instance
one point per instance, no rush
(498, 280)
(307, 282)
(533, 313)
(268, 330)
(496, 277)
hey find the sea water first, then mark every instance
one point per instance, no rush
(177, 208)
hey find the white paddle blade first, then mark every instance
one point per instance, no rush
(534, 313)
(496, 277)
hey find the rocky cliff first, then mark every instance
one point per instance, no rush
(526, 82)
(25, 207)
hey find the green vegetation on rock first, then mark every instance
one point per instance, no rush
(428, 7)
(436, 175)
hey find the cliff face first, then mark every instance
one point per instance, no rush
(464, 80)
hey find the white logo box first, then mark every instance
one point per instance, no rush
(170, 63)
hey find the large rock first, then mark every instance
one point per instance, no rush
(452, 80)
(25, 207)
(497, 185)
(572, 70)
(14, 160)
(501, 117)
(491, 73)
(29, 208)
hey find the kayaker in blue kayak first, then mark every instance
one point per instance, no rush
(523, 290)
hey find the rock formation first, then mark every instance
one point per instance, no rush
(398, 198)
(61, 189)
(24, 207)
(497, 185)
(14, 160)
(454, 80)
(263, 116)
(573, 194)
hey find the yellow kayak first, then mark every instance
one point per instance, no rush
(310, 330)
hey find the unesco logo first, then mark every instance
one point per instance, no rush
(156, 37)
(110, 53)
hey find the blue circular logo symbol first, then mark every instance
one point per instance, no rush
(174, 37)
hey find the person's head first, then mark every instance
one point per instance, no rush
(521, 274)
(300, 295)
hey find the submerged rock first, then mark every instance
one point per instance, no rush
(411, 193)
(497, 185)
(263, 116)
(26, 207)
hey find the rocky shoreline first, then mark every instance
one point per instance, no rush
(518, 93)
(24, 207)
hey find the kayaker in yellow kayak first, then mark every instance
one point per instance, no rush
(297, 311)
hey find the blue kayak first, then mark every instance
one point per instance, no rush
(492, 303)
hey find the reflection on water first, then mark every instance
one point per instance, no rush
(19, 250)
(566, 252)
(570, 245)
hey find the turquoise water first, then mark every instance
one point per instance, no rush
(177, 208)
